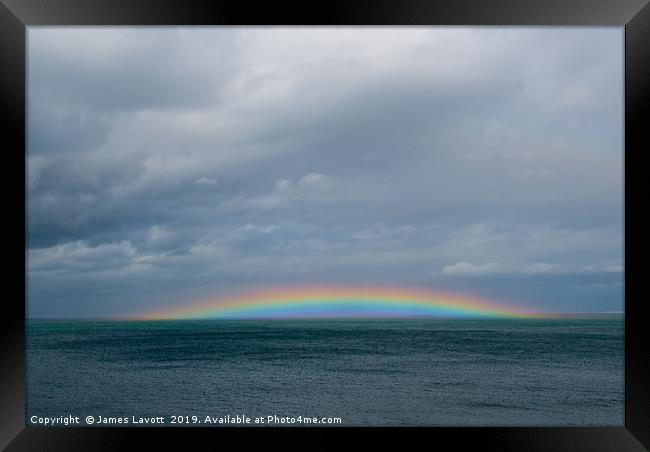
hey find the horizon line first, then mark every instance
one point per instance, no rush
(549, 315)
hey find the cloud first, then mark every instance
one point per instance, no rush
(158, 234)
(78, 256)
(205, 181)
(466, 268)
(611, 266)
(494, 268)
(187, 160)
(533, 268)
(263, 229)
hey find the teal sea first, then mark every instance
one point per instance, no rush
(555, 372)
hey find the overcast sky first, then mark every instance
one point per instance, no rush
(166, 164)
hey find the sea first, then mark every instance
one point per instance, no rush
(363, 372)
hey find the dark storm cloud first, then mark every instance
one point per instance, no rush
(165, 163)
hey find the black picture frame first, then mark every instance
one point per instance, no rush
(634, 15)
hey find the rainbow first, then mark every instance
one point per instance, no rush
(340, 302)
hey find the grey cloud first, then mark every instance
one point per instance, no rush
(191, 159)
(118, 69)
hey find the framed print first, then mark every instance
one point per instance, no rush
(360, 218)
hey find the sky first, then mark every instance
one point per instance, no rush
(167, 164)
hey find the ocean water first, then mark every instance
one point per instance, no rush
(407, 372)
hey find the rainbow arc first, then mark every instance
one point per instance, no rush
(342, 302)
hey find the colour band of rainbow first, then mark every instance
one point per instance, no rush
(341, 302)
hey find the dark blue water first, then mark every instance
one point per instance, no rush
(367, 372)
